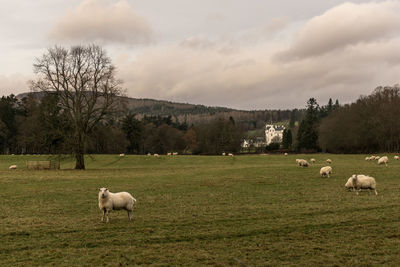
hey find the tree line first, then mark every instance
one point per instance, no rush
(39, 125)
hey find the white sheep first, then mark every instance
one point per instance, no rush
(312, 161)
(223, 154)
(230, 154)
(148, 154)
(377, 157)
(329, 161)
(13, 167)
(286, 154)
(303, 163)
(169, 154)
(383, 160)
(326, 171)
(396, 157)
(115, 201)
(367, 158)
(360, 181)
(175, 153)
(156, 155)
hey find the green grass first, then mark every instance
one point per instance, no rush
(200, 210)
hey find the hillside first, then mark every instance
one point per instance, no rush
(194, 114)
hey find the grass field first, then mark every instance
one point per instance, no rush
(200, 210)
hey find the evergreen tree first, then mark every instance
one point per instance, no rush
(307, 136)
(287, 139)
(292, 121)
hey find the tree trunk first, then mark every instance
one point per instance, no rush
(80, 152)
(80, 161)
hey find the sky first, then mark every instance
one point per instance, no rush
(259, 54)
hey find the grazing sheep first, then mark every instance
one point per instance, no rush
(329, 161)
(326, 171)
(115, 201)
(13, 167)
(396, 157)
(297, 161)
(122, 155)
(303, 163)
(148, 154)
(383, 160)
(312, 161)
(223, 154)
(360, 181)
(230, 154)
(377, 157)
(156, 155)
(175, 153)
(367, 158)
(169, 154)
(285, 154)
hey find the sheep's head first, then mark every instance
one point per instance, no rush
(103, 192)
(349, 183)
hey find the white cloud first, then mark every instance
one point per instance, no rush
(104, 21)
(13, 84)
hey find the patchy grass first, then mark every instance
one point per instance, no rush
(196, 211)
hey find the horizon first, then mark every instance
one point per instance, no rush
(262, 56)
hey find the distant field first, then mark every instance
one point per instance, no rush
(200, 210)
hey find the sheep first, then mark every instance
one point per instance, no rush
(377, 157)
(303, 163)
(156, 155)
(148, 154)
(361, 181)
(367, 158)
(325, 171)
(396, 157)
(230, 154)
(169, 154)
(383, 160)
(223, 154)
(297, 161)
(285, 154)
(115, 201)
(122, 155)
(312, 161)
(329, 161)
(12, 167)
(175, 153)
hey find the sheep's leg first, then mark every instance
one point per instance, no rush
(104, 213)
(107, 212)
(130, 215)
(376, 192)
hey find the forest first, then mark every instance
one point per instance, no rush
(36, 124)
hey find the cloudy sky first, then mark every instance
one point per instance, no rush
(258, 54)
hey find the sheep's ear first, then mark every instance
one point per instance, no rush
(106, 189)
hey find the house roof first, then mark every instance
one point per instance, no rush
(276, 127)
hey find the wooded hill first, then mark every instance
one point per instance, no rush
(195, 114)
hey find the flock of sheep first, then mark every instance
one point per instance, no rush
(356, 182)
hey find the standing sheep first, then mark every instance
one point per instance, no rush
(360, 181)
(329, 161)
(115, 201)
(312, 161)
(285, 154)
(383, 160)
(326, 171)
(12, 167)
(396, 157)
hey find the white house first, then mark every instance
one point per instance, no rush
(273, 133)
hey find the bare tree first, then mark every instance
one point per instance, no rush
(83, 78)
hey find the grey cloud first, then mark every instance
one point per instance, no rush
(345, 25)
(105, 21)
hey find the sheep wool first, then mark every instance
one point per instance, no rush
(383, 160)
(326, 171)
(360, 181)
(115, 201)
